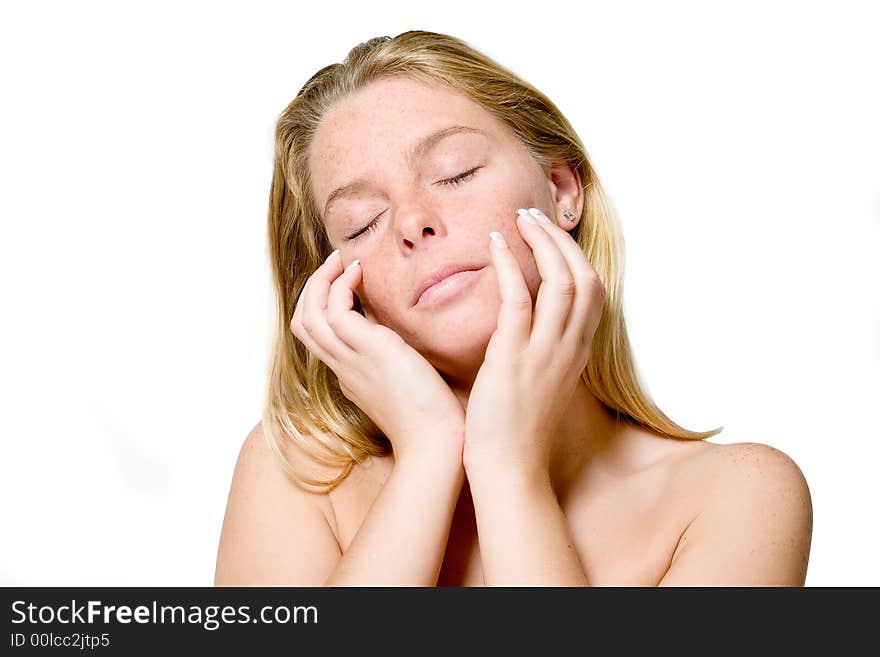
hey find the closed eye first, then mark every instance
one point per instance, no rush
(459, 178)
(449, 182)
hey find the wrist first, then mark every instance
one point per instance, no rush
(506, 476)
(440, 459)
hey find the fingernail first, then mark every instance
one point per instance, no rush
(498, 238)
(525, 214)
(354, 263)
(331, 255)
(540, 216)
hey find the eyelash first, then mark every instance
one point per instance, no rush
(450, 182)
(457, 180)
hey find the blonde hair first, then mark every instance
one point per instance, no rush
(304, 403)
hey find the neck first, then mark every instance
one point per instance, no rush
(582, 439)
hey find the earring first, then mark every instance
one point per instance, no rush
(569, 214)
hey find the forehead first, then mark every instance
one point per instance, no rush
(373, 128)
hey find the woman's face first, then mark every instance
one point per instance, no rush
(421, 220)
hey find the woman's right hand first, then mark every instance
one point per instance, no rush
(376, 368)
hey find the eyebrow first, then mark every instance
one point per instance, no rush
(421, 148)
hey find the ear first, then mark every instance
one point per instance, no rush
(566, 192)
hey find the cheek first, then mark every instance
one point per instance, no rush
(377, 298)
(527, 264)
(521, 250)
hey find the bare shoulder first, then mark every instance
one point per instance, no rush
(260, 457)
(753, 518)
(743, 471)
(749, 466)
(275, 530)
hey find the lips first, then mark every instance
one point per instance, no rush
(439, 274)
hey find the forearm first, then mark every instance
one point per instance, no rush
(523, 534)
(402, 540)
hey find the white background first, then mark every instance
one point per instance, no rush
(739, 141)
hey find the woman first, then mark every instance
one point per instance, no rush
(450, 408)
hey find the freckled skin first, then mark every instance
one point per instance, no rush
(423, 224)
(640, 509)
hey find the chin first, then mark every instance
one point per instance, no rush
(457, 344)
(453, 336)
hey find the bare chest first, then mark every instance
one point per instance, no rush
(621, 538)
(624, 531)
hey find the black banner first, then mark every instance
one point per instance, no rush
(128, 621)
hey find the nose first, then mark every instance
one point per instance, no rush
(417, 225)
(423, 234)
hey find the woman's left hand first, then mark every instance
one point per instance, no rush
(533, 362)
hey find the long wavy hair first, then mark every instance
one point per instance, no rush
(304, 402)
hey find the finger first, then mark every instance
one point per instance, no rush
(302, 335)
(557, 291)
(314, 311)
(295, 321)
(515, 314)
(590, 292)
(350, 326)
